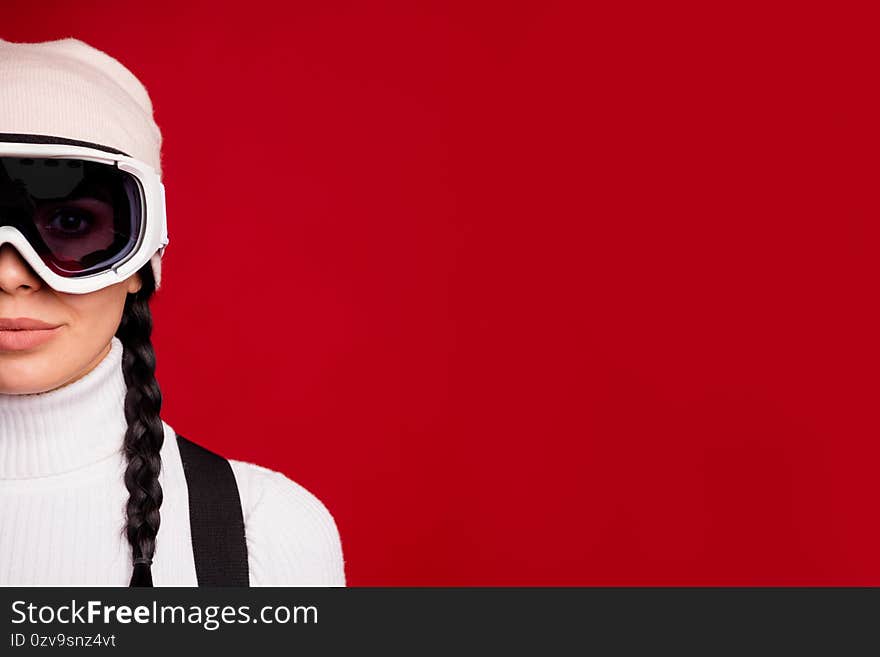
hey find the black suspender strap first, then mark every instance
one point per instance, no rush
(216, 520)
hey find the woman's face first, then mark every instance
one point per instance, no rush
(87, 323)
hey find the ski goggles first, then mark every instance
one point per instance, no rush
(84, 216)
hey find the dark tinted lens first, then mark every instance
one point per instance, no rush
(82, 217)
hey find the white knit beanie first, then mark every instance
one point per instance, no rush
(67, 88)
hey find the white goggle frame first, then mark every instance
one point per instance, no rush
(154, 228)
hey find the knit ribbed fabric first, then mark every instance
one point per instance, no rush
(68, 88)
(63, 497)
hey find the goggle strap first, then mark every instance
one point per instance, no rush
(49, 139)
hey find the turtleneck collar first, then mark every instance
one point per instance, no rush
(68, 428)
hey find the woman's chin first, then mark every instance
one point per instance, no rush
(29, 372)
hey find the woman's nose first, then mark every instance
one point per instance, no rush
(15, 273)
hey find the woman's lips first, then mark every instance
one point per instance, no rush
(21, 339)
(28, 323)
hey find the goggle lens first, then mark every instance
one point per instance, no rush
(82, 217)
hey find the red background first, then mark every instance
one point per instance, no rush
(526, 293)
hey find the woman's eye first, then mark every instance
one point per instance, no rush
(70, 221)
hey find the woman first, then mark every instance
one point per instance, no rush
(95, 488)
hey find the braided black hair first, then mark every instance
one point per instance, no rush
(144, 435)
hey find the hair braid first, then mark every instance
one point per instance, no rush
(144, 435)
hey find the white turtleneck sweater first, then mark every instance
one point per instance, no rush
(63, 497)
